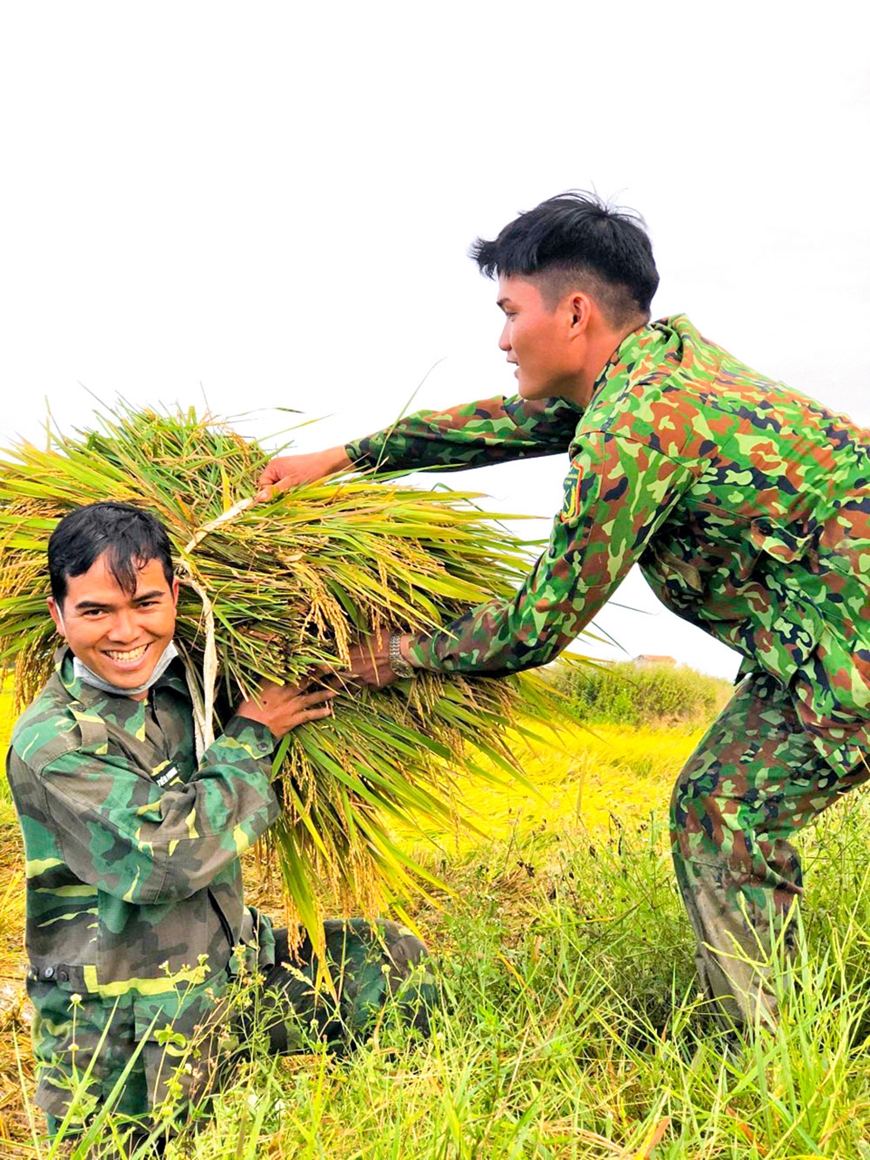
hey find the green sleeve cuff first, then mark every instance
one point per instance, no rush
(254, 734)
(420, 653)
(356, 455)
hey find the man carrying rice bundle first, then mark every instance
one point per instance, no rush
(135, 917)
(746, 506)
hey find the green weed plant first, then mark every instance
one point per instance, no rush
(627, 693)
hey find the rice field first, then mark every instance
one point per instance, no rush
(572, 1024)
(594, 778)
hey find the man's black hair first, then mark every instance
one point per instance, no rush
(577, 236)
(129, 536)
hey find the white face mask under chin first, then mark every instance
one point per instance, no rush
(82, 673)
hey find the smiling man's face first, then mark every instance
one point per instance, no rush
(539, 340)
(119, 636)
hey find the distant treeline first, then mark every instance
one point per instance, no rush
(632, 694)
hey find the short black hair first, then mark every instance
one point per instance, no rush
(578, 236)
(128, 535)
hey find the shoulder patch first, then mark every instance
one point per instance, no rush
(571, 499)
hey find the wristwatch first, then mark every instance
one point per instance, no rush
(398, 664)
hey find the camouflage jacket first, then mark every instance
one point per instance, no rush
(132, 847)
(745, 503)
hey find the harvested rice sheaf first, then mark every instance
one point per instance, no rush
(273, 590)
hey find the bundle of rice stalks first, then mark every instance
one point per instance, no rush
(272, 590)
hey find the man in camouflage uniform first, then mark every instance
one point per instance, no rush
(135, 916)
(746, 506)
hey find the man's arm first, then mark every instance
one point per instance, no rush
(617, 494)
(472, 435)
(120, 831)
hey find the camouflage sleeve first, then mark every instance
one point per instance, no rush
(472, 435)
(123, 833)
(617, 493)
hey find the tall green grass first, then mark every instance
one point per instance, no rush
(631, 694)
(573, 1026)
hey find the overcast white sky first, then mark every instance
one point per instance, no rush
(272, 203)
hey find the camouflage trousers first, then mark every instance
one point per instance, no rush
(178, 1050)
(754, 780)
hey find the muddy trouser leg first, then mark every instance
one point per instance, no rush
(754, 780)
(379, 969)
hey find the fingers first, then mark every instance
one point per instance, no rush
(276, 477)
(307, 700)
(271, 491)
(286, 471)
(316, 714)
(270, 474)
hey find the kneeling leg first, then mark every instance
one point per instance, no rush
(371, 964)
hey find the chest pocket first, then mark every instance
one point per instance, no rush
(101, 737)
(89, 735)
(92, 730)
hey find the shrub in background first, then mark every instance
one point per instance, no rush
(629, 694)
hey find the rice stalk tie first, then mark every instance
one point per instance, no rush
(237, 508)
(203, 707)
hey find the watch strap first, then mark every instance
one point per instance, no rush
(398, 664)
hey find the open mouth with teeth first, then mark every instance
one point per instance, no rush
(130, 657)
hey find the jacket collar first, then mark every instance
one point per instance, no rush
(645, 349)
(86, 695)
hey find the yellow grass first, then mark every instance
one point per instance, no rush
(591, 779)
(7, 719)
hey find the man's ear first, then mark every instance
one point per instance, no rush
(56, 616)
(175, 590)
(580, 307)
